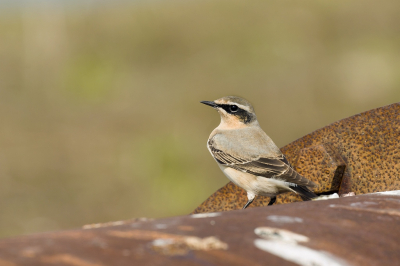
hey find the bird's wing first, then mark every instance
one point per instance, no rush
(277, 167)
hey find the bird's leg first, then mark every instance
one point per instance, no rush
(248, 203)
(250, 197)
(272, 201)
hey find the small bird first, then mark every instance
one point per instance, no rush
(248, 157)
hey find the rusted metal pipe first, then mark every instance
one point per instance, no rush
(359, 230)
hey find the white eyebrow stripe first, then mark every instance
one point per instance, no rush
(240, 106)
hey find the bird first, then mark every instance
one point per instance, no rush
(247, 155)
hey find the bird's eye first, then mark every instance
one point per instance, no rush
(233, 108)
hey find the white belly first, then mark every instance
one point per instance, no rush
(256, 185)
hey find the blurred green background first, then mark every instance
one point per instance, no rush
(99, 101)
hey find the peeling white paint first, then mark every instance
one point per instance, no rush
(279, 234)
(394, 200)
(91, 226)
(285, 244)
(393, 192)
(363, 204)
(205, 215)
(135, 225)
(326, 197)
(350, 194)
(163, 242)
(207, 243)
(161, 226)
(297, 254)
(137, 221)
(99, 225)
(284, 219)
(192, 242)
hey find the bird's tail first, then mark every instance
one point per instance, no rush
(304, 192)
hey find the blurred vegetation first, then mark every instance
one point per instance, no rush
(99, 103)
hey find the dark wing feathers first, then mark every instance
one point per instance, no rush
(286, 161)
(224, 158)
(266, 167)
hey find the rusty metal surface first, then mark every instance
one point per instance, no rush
(359, 230)
(358, 154)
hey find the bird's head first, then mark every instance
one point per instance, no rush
(235, 112)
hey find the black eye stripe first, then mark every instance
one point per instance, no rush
(227, 108)
(240, 113)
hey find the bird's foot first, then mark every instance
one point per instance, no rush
(272, 201)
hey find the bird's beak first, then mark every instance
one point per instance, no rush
(212, 104)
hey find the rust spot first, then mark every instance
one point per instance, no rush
(185, 244)
(7, 263)
(67, 259)
(142, 234)
(185, 228)
(31, 252)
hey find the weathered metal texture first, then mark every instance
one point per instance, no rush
(327, 166)
(359, 230)
(358, 154)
